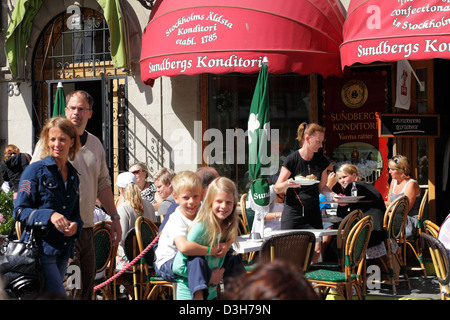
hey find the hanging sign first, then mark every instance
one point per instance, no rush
(409, 125)
(404, 73)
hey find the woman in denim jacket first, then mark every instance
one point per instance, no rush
(48, 201)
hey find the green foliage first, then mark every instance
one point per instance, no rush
(6, 212)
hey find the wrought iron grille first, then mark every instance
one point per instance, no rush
(74, 45)
(68, 49)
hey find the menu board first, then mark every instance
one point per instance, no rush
(409, 125)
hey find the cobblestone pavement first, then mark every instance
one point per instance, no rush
(421, 288)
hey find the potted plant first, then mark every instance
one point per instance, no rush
(6, 212)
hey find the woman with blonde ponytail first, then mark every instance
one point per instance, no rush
(132, 207)
(302, 207)
(133, 196)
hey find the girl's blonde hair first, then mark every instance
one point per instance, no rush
(308, 129)
(68, 128)
(349, 169)
(215, 233)
(133, 196)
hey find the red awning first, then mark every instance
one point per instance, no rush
(217, 36)
(382, 30)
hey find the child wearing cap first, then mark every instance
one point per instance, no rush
(122, 181)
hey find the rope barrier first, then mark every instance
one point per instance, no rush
(129, 265)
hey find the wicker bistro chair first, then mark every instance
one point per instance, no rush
(247, 216)
(105, 253)
(343, 231)
(354, 257)
(294, 247)
(242, 228)
(244, 221)
(245, 227)
(414, 243)
(431, 228)
(441, 262)
(130, 279)
(155, 286)
(394, 226)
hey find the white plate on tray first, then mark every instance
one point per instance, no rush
(347, 198)
(305, 182)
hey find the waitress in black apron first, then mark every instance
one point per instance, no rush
(302, 208)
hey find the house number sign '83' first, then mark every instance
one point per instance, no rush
(13, 89)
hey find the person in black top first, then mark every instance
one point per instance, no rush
(13, 164)
(372, 204)
(302, 210)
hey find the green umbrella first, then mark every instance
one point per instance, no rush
(258, 150)
(60, 102)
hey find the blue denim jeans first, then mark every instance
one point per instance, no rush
(166, 271)
(54, 269)
(198, 273)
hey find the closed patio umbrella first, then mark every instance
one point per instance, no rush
(259, 150)
(60, 102)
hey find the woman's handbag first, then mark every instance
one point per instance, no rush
(20, 270)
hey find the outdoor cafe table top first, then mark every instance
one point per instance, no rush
(246, 245)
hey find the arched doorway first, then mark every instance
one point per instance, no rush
(74, 49)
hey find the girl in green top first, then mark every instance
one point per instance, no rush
(215, 223)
